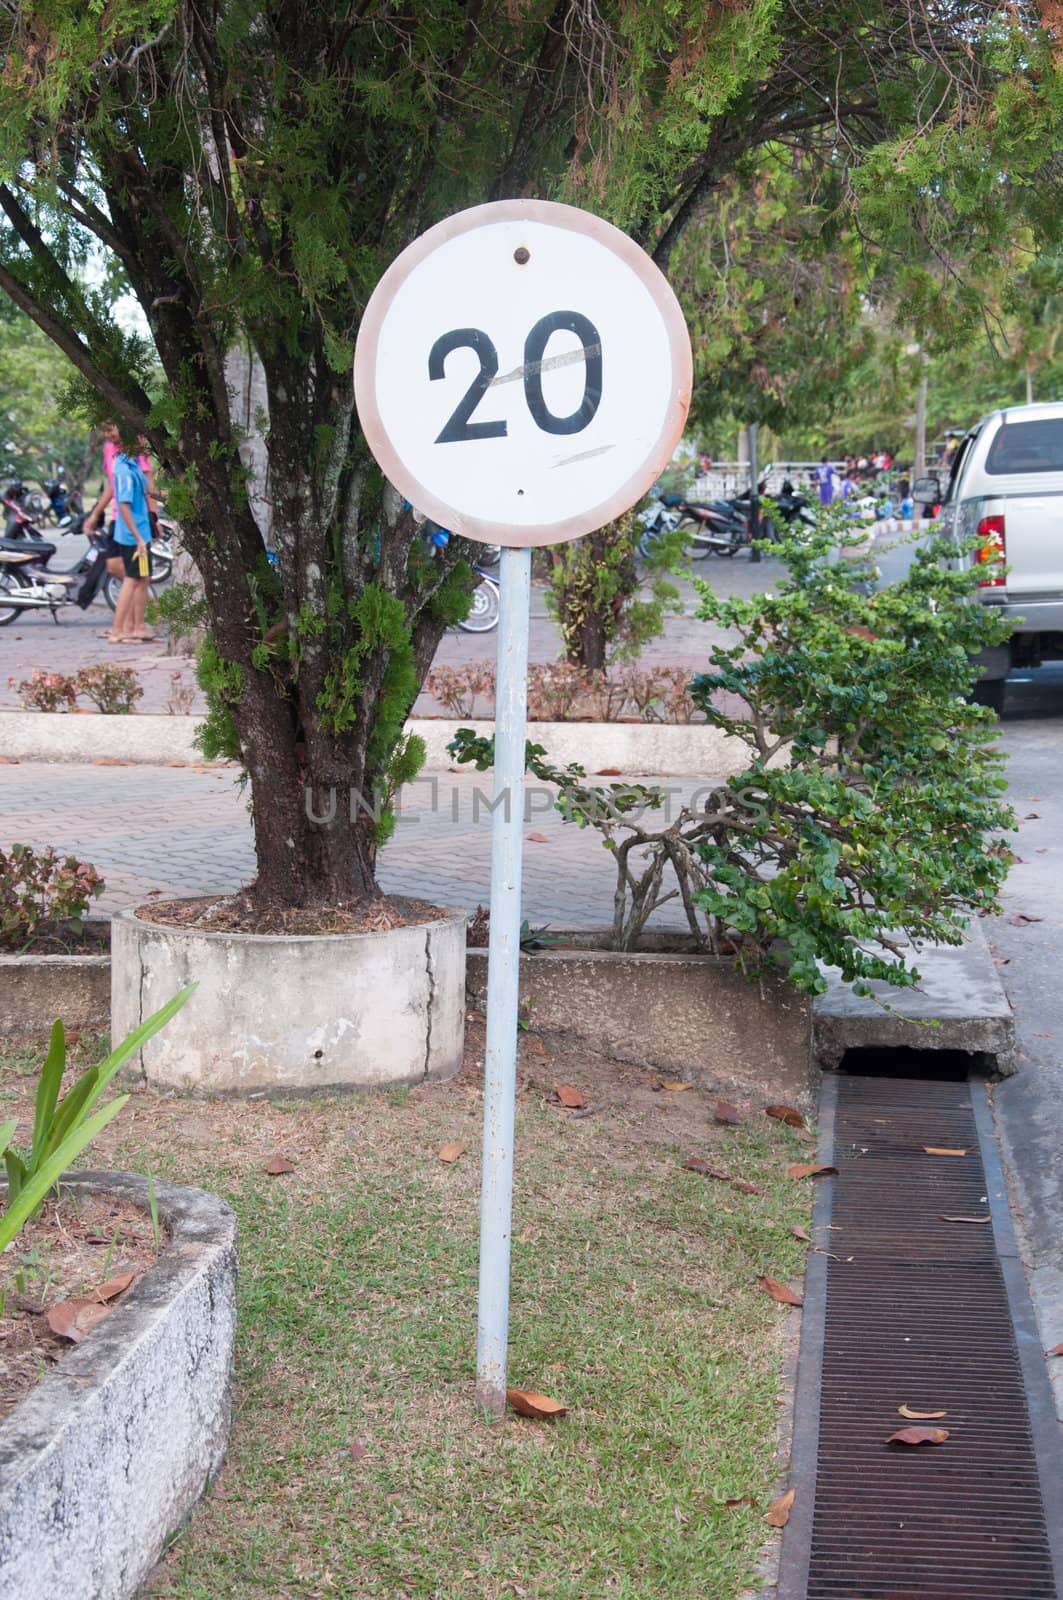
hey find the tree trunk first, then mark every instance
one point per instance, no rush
(1029, 384)
(919, 462)
(586, 645)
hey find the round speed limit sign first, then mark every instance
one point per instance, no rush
(522, 373)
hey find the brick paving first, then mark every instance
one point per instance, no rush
(186, 831)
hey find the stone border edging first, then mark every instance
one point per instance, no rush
(108, 1455)
(682, 1014)
(634, 748)
(36, 989)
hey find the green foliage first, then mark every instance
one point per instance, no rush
(871, 806)
(42, 893)
(182, 609)
(771, 280)
(37, 427)
(63, 1128)
(594, 592)
(222, 684)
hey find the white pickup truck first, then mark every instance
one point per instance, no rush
(1005, 486)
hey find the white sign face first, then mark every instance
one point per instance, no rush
(522, 373)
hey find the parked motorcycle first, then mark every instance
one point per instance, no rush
(28, 581)
(722, 526)
(64, 505)
(657, 520)
(793, 506)
(57, 504)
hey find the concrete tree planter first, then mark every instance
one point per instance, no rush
(292, 1014)
(35, 989)
(683, 1014)
(110, 1452)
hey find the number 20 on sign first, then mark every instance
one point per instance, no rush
(522, 376)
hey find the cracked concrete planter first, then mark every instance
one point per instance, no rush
(107, 1456)
(277, 1014)
(669, 1009)
(35, 989)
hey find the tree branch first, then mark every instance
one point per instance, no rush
(131, 408)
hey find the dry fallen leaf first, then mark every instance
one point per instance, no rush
(358, 1450)
(741, 1500)
(1056, 1350)
(728, 1114)
(112, 1288)
(276, 1165)
(607, 772)
(695, 1164)
(920, 1416)
(1021, 920)
(74, 1319)
(568, 1095)
(451, 1152)
(812, 1169)
(780, 1292)
(919, 1436)
(966, 1219)
(779, 1510)
(532, 1404)
(799, 1233)
(675, 1086)
(787, 1114)
(935, 1150)
(537, 838)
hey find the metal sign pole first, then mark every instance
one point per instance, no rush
(503, 976)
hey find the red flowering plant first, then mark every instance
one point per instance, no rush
(43, 896)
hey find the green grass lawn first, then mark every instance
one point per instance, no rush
(358, 1465)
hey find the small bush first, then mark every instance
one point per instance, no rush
(554, 688)
(114, 690)
(46, 691)
(182, 694)
(457, 688)
(42, 893)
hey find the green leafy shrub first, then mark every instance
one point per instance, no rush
(63, 1128)
(112, 689)
(605, 605)
(46, 691)
(871, 806)
(42, 893)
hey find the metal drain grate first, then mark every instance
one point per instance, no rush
(923, 1314)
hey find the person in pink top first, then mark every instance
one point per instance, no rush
(112, 449)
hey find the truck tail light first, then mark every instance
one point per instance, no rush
(991, 551)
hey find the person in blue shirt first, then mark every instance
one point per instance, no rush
(132, 538)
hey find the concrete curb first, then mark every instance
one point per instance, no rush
(108, 1455)
(686, 1015)
(34, 990)
(959, 1005)
(633, 748)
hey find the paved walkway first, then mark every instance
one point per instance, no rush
(187, 831)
